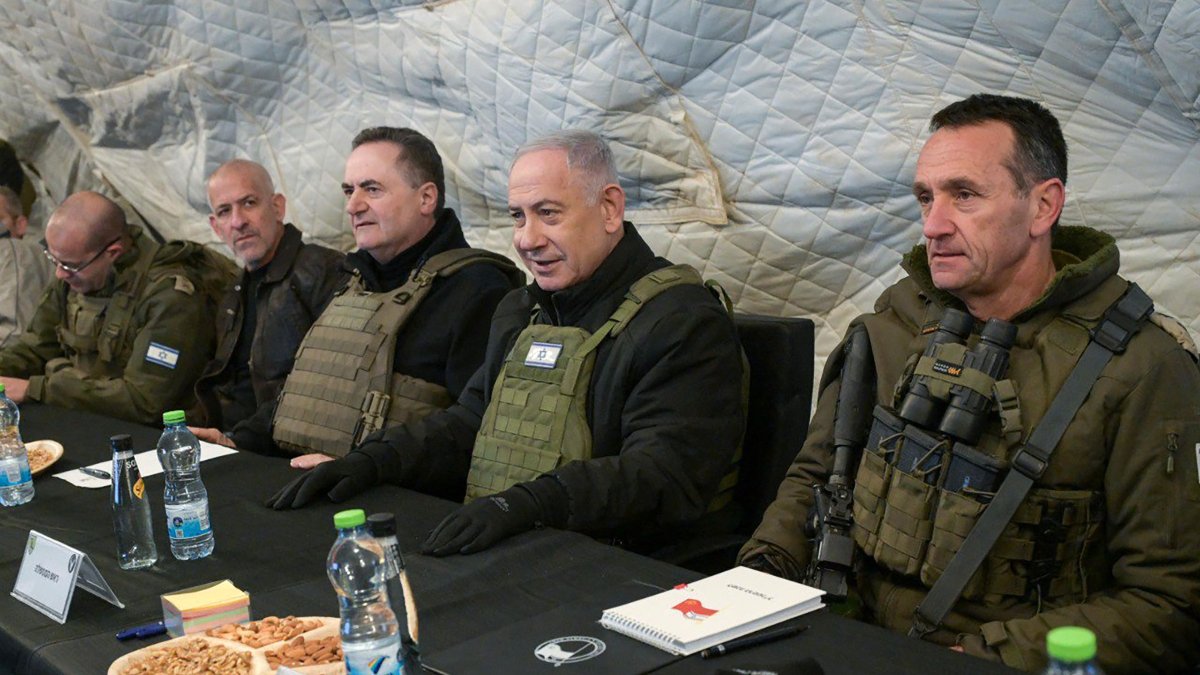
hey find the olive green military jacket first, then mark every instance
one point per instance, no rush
(154, 361)
(1130, 453)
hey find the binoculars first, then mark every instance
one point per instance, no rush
(955, 409)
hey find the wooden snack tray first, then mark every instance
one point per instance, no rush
(258, 663)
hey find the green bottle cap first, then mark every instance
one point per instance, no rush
(1, 387)
(344, 520)
(1071, 644)
(173, 417)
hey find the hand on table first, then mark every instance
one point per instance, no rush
(211, 435)
(485, 521)
(339, 480)
(15, 388)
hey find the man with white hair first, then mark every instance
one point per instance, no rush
(25, 270)
(610, 398)
(284, 286)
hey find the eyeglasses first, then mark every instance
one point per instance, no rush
(76, 269)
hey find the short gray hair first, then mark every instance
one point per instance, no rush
(588, 158)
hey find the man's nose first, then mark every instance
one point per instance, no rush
(354, 202)
(530, 236)
(937, 221)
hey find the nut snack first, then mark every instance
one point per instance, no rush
(308, 645)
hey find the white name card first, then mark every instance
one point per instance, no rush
(49, 572)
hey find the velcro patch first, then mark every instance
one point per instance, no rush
(162, 355)
(543, 355)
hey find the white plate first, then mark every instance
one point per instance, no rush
(45, 452)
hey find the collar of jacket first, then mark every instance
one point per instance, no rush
(1084, 258)
(285, 255)
(445, 235)
(600, 293)
(139, 245)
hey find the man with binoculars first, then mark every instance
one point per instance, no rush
(1010, 442)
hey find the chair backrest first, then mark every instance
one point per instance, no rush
(780, 352)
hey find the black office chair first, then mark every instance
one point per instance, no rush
(780, 352)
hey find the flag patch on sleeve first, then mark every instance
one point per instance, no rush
(162, 355)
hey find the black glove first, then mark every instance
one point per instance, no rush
(484, 522)
(340, 480)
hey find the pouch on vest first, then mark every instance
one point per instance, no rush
(342, 386)
(536, 419)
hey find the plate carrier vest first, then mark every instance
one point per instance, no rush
(342, 387)
(536, 420)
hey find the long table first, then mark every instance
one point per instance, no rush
(279, 558)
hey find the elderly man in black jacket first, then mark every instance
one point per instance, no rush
(610, 399)
(285, 284)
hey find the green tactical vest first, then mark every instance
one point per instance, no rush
(914, 528)
(342, 386)
(95, 330)
(536, 419)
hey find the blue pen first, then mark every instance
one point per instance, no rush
(149, 630)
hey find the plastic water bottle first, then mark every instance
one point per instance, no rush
(1072, 651)
(184, 498)
(16, 482)
(356, 564)
(131, 508)
(382, 526)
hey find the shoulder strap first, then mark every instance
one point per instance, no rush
(1118, 325)
(642, 291)
(398, 306)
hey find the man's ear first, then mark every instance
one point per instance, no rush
(612, 205)
(20, 223)
(212, 222)
(1048, 197)
(428, 194)
(280, 204)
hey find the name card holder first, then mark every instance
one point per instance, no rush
(50, 571)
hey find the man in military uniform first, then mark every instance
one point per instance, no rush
(126, 329)
(284, 286)
(610, 401)
(410, 328)
(1107, 537)
(23, 267)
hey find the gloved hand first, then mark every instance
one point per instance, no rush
(485, 521)
(340, 480)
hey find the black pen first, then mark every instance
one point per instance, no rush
(752, 640)
(96, 473)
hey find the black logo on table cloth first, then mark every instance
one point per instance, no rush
(569, 649)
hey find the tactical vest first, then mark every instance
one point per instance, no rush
(910, 520)
(342, 386)
(536, 419)
(95, 330)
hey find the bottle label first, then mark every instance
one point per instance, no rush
(139, 488)
(14, 471)
(383, 659)
(185, 521)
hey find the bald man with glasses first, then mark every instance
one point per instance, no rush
(125, 329)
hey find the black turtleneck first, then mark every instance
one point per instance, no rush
(445, 234)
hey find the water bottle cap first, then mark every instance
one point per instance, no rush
(382, 525)
(344, 520)
(173, 417)
(1, 387)
(120, 442)
(1071, 643)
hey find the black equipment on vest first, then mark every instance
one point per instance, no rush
(965, 412)
(832, 515)
(920, 406)
(1111, 336)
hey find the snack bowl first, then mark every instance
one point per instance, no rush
(43, 454)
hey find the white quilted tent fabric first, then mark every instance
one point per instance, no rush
(770, 143)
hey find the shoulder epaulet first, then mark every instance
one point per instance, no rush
(1177, 330)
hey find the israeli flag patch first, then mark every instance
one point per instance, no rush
(543, 355)
(162, 355)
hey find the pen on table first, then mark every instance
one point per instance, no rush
(752, 640)
(149, 630)
(96, 473)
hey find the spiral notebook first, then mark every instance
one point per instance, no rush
(716, 609)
